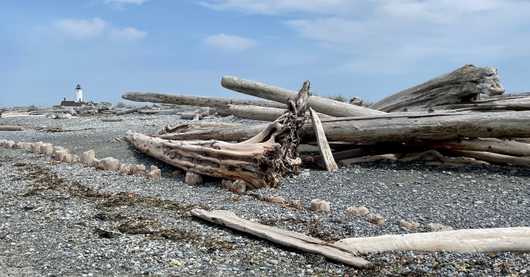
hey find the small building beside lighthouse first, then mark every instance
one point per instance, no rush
(79, 99)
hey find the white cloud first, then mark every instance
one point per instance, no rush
(230, 42)
(128, 33)
(82, 29)
(125, 2)
(282, 6)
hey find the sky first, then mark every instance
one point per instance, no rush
(368, 49)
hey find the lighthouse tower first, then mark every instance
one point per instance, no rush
(78, 93)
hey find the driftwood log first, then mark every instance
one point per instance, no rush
(11, 128)
(320, 104)
(260, 161)
(500, 103)
(282, 237)
(515, 239)
(460, 86)
(394, 128)
(260, 113)
(196, 100)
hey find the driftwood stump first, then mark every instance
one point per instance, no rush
(261, 161)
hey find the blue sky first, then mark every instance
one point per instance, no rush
(368, 49)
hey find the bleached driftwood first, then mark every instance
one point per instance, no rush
(395, 128)
(460, 86)
(259, 113)
(260, 161)
(322, 141)
(500, 103)
(515, 239)
(198, 101)
(187, 127)
(506, 147)
(11, 128)
(282, 237)
(320, 104)
(495, 158)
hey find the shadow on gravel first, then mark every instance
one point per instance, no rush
(476, 169)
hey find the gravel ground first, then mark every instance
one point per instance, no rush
(61, 219)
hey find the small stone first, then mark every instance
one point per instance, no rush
(125, 169)
(409, 225)
(35, 147)
(109, 163)
(437, 227)
(319, 205)
(137, 169)
(88, 158)
(357, 211)
(193, 179)
(47, 149)
(297, 204)
(376, 219)
(275, 199)
(237, 186)
(60, 155)
(154, 173)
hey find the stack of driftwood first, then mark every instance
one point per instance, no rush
(463, 117)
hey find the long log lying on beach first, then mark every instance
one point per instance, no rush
(281, 95)
(516, 239)
(495, 158)
(508, 103)
(395, 128)
(198, 101)
(460, 86)
(506, 147)
(259, 113)
(11, 128)
(282, 237)
(260, 161)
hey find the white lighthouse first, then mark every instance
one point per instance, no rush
(78, 93)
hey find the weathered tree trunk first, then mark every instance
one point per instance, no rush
(495, 158)
(11, 128)
(396, 128)
(506, 147)
(198, 101)
(320, 104)
(259, 113)
(255, 112)
(260, 161)
(282, 237)
(508, 103)
(468, 240)
(460, 86)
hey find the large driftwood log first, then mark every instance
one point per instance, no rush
(501, 103)
(495, 158)
(396, 128)
(460, 86)
(515, 239)
(198, 101)
(320, 104)
(282, 237)
(506, 147)
(259, 113)
(260, 161)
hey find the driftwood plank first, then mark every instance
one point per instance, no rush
(467, 240)
(282, 237)
(281, 95)
(322, 141)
